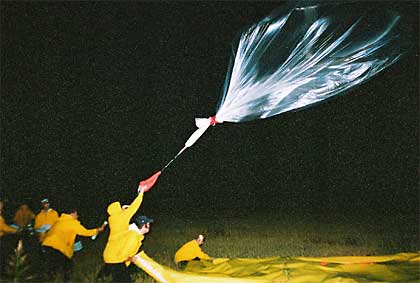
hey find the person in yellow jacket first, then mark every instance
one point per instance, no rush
(4, 228)
(191, 251)
(7, 240)
(124, 241)
(23, 216)
(58, 244)
(45, 219)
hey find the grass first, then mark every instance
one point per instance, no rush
(257, 236)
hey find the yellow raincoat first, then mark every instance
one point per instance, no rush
(190, 251)
(122, 243)
(45, 217)
(4, 228)
(63, 233)
(23, 216)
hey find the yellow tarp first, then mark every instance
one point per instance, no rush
(401, 268)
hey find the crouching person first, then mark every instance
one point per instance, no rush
(59, 243)
(191, 251)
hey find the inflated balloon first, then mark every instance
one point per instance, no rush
(290, 61)
(302, 55)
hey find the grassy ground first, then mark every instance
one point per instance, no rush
(264, 235)
(257, 236)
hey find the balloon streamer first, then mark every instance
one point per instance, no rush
(301, 55)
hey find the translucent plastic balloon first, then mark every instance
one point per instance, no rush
(305, 54)
(302, 54)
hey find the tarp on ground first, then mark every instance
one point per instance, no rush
(401, 268)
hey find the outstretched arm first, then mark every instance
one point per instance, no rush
(82, 231)
(135, 205)
(4, 228)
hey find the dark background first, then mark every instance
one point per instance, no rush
(96, 96)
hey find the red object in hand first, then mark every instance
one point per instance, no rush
(149, 182)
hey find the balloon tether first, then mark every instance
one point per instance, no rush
(173, 159)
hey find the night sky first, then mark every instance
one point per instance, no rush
(98, 96)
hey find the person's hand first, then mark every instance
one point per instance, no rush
(140, 189)
(133, 259)
(146, 185)
(100, 229)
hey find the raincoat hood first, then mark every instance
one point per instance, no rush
(114, 208)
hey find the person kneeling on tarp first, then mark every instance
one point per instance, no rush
(59, 242)
(191, 251)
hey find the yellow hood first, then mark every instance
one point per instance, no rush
(114, 208)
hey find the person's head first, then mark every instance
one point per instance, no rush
(24, 207)
(143, 223)
(45, 203)
(73, 212)
(200, 239)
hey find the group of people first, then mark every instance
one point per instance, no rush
(57, 235)
(24, 218)
(125, 239)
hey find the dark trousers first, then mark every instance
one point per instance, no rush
(119, 272)
(7, 245)
(182, 264)
(57, 263)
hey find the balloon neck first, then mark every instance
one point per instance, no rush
(213, 121)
